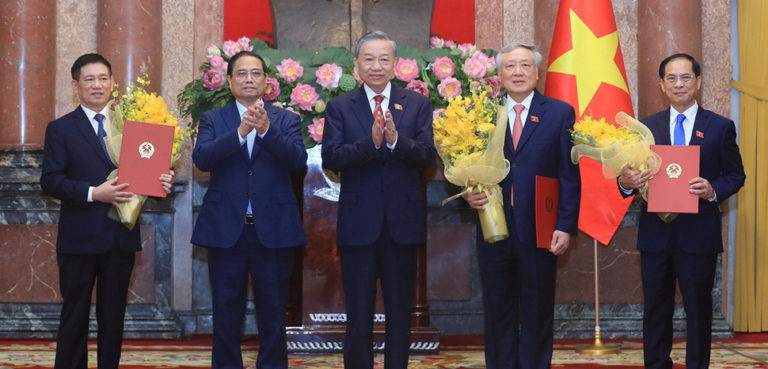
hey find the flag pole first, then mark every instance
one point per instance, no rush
(598, 347)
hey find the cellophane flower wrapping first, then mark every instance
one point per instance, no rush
(469, 136)
(615, 146)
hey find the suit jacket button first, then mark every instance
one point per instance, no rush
(250, 173)
(513, 165)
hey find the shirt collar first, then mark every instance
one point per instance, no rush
(526, 102)
(689, 113)
(241, 109)
(369, 93)
(92, 114)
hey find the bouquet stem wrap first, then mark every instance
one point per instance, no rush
(470, 122)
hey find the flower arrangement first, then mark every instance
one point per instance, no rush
(303, 80)
(136, 104)
(616, 145)
(469, 136)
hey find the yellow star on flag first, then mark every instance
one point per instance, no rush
(590, 60)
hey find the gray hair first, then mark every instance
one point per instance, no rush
(535, 50)
(375, 35)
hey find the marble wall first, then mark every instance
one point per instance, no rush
(171, 295)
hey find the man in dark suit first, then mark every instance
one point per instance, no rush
(518, 278)
(249, 221)
(89, 245)
(379, 137)
(685, 249)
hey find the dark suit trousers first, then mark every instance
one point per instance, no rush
(395, 265)
(518, 301)
(695, 274)
(77, 274)
(270, 271)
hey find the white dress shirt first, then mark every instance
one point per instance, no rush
(370, 94)
(523, 114)
(95, 124)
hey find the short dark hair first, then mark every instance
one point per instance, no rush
(375, 35)
(86, 59)
(694, 64)
(241, 54)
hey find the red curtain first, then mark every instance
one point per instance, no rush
(250, 18)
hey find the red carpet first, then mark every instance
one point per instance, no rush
(458, 352)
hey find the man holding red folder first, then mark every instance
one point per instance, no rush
(518, 278)
(91, 248)
(684, 249)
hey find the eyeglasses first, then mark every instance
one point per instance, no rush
(242, 75)
(672, 79)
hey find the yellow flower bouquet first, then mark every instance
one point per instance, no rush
(615, 146)
(469, 136)
(136, 104)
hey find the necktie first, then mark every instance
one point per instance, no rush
(679, 131)
(377, 111)
(249, 139)
(101, 133)
(517, 128)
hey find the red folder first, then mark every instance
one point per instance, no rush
(547, 196)
(668, 190)
(145, 154)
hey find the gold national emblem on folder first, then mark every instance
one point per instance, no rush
(674, 170)
(146, 150)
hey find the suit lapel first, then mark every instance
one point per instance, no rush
(663, 128)
(503, 115)
(700, 126)
(362, 110)
(86, 130)
(397, 97)
(231, 118)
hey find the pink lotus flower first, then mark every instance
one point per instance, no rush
(443, 67)
(290, 70)
(449, 88)
(490, 62)
(436, 42)
(418, 86)
(449, 43)
(436, 113)
(467, 49)
(231, 48)
(316, 129)
(212, 50)
(495, 84)
(475, 67)
(212, 79)
(305, 96)
(292, 110)
(406, 70)
(244, 44)
(273, 89)
(328, 76)
(218, 63)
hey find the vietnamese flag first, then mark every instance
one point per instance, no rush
(586, 70)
